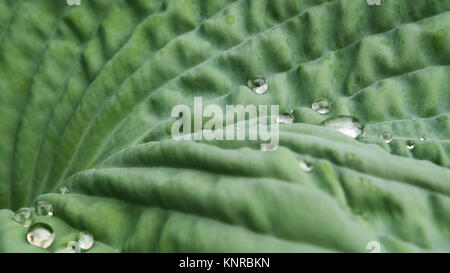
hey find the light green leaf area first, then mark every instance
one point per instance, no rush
(86, 94)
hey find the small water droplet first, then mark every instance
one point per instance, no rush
(71, 247)
(387, 137)
(24, 216)
(347, 125)
(85, 240)
(259, 85)
(422, 138)
(410, 144)
(286, 118)
(306, 164)
(321, 106)
(41, 235)
(44, 208)
(363, 134)
(63, 190)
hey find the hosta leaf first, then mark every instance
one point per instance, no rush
(86, 94)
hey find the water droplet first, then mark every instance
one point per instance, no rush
(321, 106)
(387, 137)
(259, 85)
(422, 138)
(41, 235)
(63, 190)
(410, 144)
(24, 216)
(347, 125)
(44, 208)
(286, 118)
(306, 164)
(71, 247)
(85, 240)
(363, 134)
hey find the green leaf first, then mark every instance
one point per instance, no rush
(86, 94)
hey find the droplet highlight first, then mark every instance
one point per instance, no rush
(363, 134)
(286, 118)
(24, 216)
(347, 125)
(85, 240)
(410, 144)
(267, 148)
(387, 137)
(321, 106)
(306, 165)
(71, 247)
(44, 208)
(41, 235)
(422, 138)
(259, 85)
(63, 190)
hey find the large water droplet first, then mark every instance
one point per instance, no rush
(85, 240)
(24, 216)
(41, 235)
(387, 137)
(44, 208)
(306, 164)
(422, 138)
(63, 190)
(347, 125)
(259, 85)
(286, 118)
(71, 247)
(410, 144)
(321, 106)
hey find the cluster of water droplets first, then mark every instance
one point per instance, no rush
(259, 85)
(42, 234)
(39, 234)
(347, 125)
(24, 216)
(410, 144)
(84, 241)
